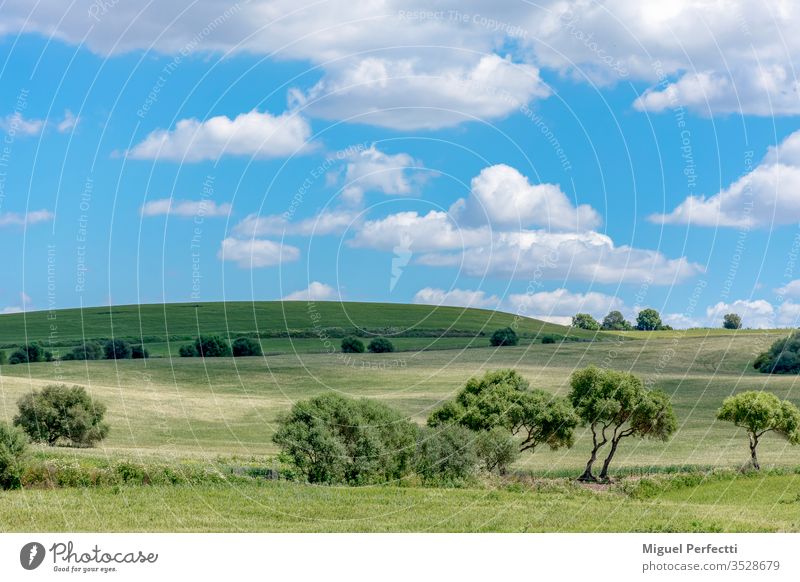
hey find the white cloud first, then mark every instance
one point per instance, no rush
(409, 94)
(185, 208)
(559, 305)
(792, 289)
(456, 297)
(372, 170)
(248, 134)
(32, 217)
(506, 198)
(253, 253)
(69, 122)
(316, 291)
(24, 301)
(755, 313)
(326, 222)
(15, 124)
(764, 197)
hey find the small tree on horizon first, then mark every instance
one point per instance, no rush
(732, 321)
(648, 320)
(585, 321)
(759, 413)
(615, 321)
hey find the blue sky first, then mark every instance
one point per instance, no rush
(545, 160)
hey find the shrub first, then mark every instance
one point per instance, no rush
(782, 357)
(504, 337)
(585, 321)
(30, 353)
(244, 346)
(139, 352)
(380, 345)
(352, 345)
(496, 449)
(90, 350)
(3, 359)
(445, 454)
(333, 439)
(62, 413)
(117, 349)
(615, 321)
(732, 321)
(212, 346)
(188, 351)
(12, 450)
(648, 320)
(548, 339)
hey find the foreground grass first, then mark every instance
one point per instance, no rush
(736, 504)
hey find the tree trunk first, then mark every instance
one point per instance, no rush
(753, 456)
(587, 473)
(607, 462)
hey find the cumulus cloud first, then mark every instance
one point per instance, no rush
(254, 253)
(372, 170)
(326, 222)
(456, 298)
(764, 197)
(559, 305)
(506, 198)
(17, 125)
(316, 291)
(185, 208)
(755, 313)
(248, 134)
(792, 288)
(32, 217)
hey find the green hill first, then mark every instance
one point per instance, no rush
(266, 319)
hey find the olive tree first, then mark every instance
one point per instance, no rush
(759, 413)
(615, 405)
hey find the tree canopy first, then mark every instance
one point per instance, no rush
(585, 321)
(648, 320)
(615, 321)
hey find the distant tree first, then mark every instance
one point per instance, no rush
(445, 453)
(380, 345)
(352, 345)
(615, 321)
(505, 336)
(585, 321)
(62, 413)
(117, 349)
(244, 346)
(732, 321)
(608, 400)
(648, 320)
(782, 357)
(207, 346)
(30, 353)
(548, 339)
(188, 351)
(139, 352)
(759, 413)
(13, 444)
(88, 350)
(496, 449)
(503, 398)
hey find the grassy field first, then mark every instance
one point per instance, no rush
(188, 408)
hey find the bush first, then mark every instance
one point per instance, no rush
(12, 450)
(585, 321)
(352, 345)
(782, 357)
(139, 352)
(548, 339)
(3, 359)
(62, 413)
(90, 350)
(30, 353)
(732, 321)
(188, 351)
(244, 346)
(333, 439)
(117, 349)
(504, 337)
(496, 449)
(445, 454)
(380, 345)
(207, 346)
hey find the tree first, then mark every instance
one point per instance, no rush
(29, 354)
(244, 346)
(62, 413)
(615, 321)
(585, 321)
(13, 444)
(188, 351)
(496, 449)
(759, 413)
(89, 350)
(333, 439)
(609, 400)
(445, 453)
(782, 357)
(732, 321)
(352, 345)
(206, 346)
(117, 349)
(504, 336)
(139, 352)
(3, 360)
(380, 345)
(503, 398)
(648, 320)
